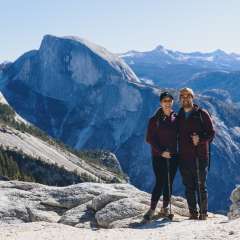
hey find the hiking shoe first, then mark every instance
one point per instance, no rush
(193, 216)
(164, 212)
(203, 216)
(149, 214)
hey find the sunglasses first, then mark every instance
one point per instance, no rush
(167, 101)
(186, 96)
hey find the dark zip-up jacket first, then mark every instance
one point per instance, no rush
(162, 133)
(201, 125)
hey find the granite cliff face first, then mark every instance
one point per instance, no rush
(27, 153)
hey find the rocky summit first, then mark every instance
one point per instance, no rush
(85, 204)
(100, 211)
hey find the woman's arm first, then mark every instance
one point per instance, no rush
(151, 138)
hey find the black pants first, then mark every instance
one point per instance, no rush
(161, 179)
(190, 181)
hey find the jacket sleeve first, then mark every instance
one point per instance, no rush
(151, 139)
(208, 128)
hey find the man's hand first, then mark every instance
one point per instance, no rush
(166, 154)
(195, 139)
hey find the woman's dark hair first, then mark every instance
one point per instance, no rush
(164, 95)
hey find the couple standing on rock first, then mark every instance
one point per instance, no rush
(180, 140)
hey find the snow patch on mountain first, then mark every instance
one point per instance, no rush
(236, 131)
(147, 81)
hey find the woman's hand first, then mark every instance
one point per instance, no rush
(166, 154)
(195, 139)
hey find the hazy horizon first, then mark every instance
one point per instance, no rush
(139, 25)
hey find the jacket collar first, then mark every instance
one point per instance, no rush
(159, 114)
(194, 110)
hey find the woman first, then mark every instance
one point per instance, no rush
(162, 136)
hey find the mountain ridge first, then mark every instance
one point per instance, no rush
(112, 114)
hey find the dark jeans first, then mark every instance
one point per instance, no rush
(161, 179)
(190, 181)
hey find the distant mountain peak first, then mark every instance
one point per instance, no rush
(219, 52)
(112, 59)
(4, 64)
(159, 47)
(92, 46)
(162, 49)
(162, 57)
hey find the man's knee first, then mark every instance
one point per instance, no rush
(189, 184)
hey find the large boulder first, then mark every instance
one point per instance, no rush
(82, 205)
(235, 207)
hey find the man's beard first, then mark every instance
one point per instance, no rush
(186, 104)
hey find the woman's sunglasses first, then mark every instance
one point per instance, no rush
(167, 101)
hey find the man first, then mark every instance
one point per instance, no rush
(195, 133)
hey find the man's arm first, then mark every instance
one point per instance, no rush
(208, 129)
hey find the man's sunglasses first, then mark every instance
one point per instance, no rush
(186, 96)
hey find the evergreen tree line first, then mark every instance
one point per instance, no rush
(7, 117)
(16, 165)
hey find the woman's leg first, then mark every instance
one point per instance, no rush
(158, 168)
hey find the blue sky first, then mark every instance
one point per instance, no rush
(184, 25)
